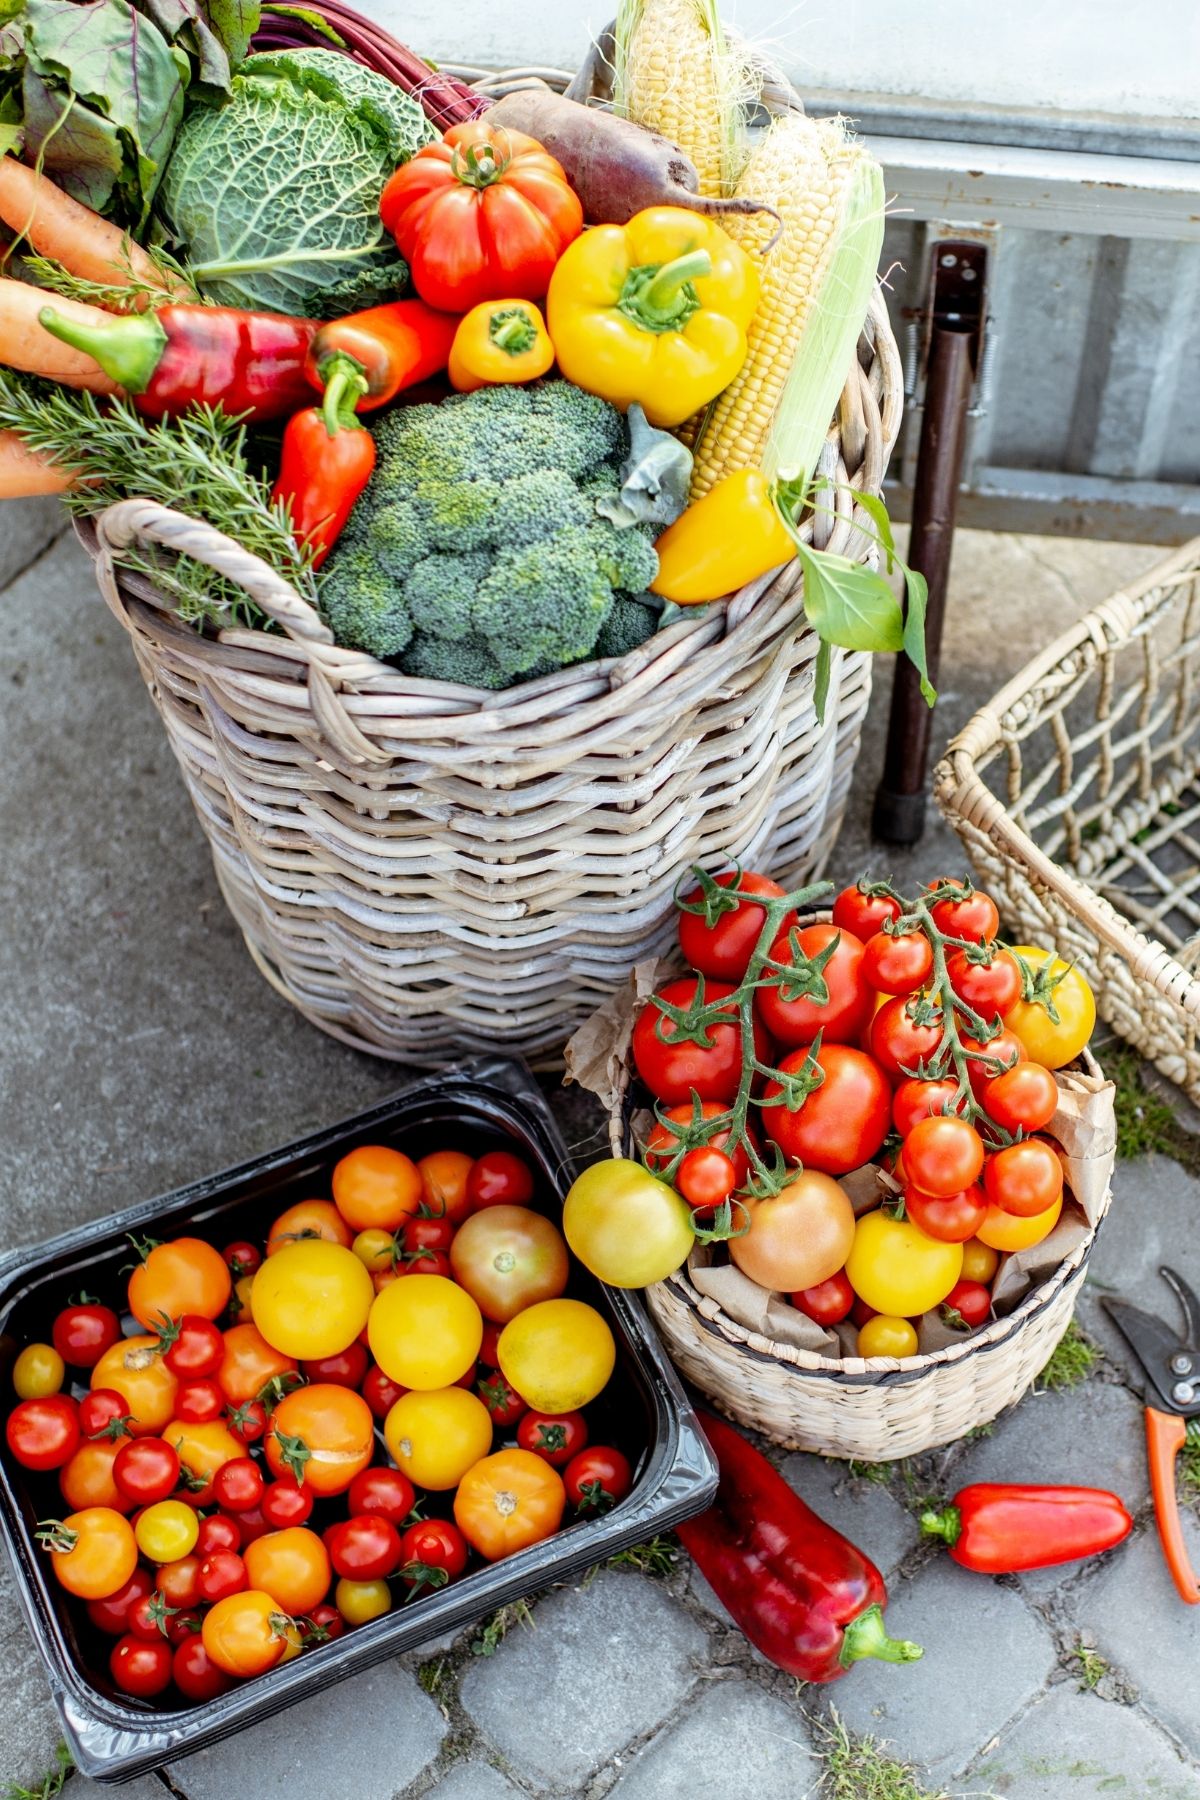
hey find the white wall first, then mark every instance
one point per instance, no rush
(1112, 56)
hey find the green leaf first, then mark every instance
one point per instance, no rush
(848, 604)
(873, 506)
(914, 630)
(822, 670)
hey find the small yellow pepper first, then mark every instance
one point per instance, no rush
(499, 341)
(654, 311)
(722, 541)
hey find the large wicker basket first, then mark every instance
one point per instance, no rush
(1084, 826)
(423, 868)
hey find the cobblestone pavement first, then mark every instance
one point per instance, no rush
(140, 1050)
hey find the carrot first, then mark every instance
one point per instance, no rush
(24, 472)
(61, 228)
(26, 344)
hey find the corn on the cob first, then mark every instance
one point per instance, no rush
(676, 74)
(817, 285)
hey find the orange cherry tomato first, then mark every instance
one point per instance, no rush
(1007, 1232)
(323, 1435)
(508, 1501)
(246, 1633)
(185, 1275)
(250, 1364)
(87, 1479)
(93, 1552)
(1024, 1178)
(134, 1368)
(444, 1183)
(202, 1450)
(309, 1219)
(377, 1186)
(292, 1566)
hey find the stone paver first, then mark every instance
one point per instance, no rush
(604, 1664)
(1153, 1215)
(735, 1741)
(28, 529)
(147, 1788)
(1140, 1624)
(473, 1781)
(970, 1627)
(368, 1737)
(29, 1726)
(1072, 1746)
(864, 1510)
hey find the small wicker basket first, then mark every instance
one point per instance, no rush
(423, 868)
(1086, 827)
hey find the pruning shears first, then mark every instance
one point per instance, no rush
(1172, 1369)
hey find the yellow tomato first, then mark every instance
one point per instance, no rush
(239, 1305)
(626, 1225)
(38, 1372)
(1006, 1231)
(167, 1531)
(375, 1249)
(134, 1368)
(424, 1331)
(202, 1450)
(361, 1601)
(558, 1355)
(980, 1261)
(896, 1269)
(311, 1299)
(436, 1436)
(887, 1336)
(1049, 1041)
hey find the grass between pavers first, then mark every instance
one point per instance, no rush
(1071, 1362)
(1090, 1667)
(1187, 1467)
(861, 1769)
(1146, 1121)
(50, 1784)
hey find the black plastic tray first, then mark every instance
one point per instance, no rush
(487, 1101)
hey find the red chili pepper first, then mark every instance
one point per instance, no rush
(247, 362)
(395, 346)
(327, 461)
(999, 1528)
(801, 1592)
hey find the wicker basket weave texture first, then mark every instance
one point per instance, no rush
(1076, 792)
(423, 868)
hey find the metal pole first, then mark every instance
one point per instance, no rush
(899, 815)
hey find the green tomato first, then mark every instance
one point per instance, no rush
(897, 1270)
(625, 1225)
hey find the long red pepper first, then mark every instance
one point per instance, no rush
(801, 1592)
(328, 459)
(1000, 1528)
(166, 360)
(396, 346)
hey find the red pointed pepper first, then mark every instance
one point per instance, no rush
(167, 360)
(800, 1591)
(327, 461)
(1000, 1528)
(396, 346)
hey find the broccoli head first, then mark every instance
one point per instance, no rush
(441, 591)
(536, 506)
(629, 623)
(545, 602)
(363, 606)
(468, 662)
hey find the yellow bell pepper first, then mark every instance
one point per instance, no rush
(722, 541)
(499, 341)
(654, 311)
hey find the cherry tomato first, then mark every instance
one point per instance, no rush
(1053, 1041)
(672, 1066)
(134, 1369)
(167, 1531)
(863, 914)
(435, 1437)
(380, 1392)
(989, 988)
(239, 1300)
(221, 1572)
(498, 1178)
(111, 1614)
(968, 1301)
(93, 1553)
(238, 1485)
(597, 1478)
(950, 1218)
(192, 1346)
(843, 1122)
(980, 1261)
(86, 1478)
(250, 1365)
(444, 1184)
(432, 1552)
(508, 1501)
(489, 1354)
(252, 1525)
(242, 1258)
(43, 1434)
(556, 1437)
(897, 1269)
(185, 1275)
(421, 1233)
(507, 1258)
(990, 1059)
(942, 1156)
(1024, 1178)
(365, 1547)
(376, 1186)
(246, 1634)
(307, 1220)
(829, 1302)
(176, 1582)
(141, 1668)
(420, 1262)
(199, 1402)
(899, 1043)
(385, 1493)
(663, 1143)
(359, 1602)
(914, 1100)
(425, 1331)
(146, 1470)
(195, 1673)
(38, 1372)
(885, 1335)
(1006, 1231)
(1024, 1098)
(502, 1401)
(284, 1503)
(148, 1617)
(897, 965)
(860, 1312)
(104, 1414)
(202, 1450)
(346, 1369)
(323, 1435)
(323, 1624)
(292, 1566)
(973, 916)
(377, 1250)
(247, 1422)
(83, 1331)
(311, 1299)
(724, 948)
(218, 1531)
(706, 1177)
(796, 1018)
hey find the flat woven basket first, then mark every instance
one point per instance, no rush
(1076, 792)
(423, 868)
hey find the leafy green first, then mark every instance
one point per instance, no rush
(275, 195)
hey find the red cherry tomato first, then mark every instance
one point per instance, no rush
(898, 1043)
(148, 1617)
(176, 1581)
(489, 1354)
(380, 1392)
(597, 1478)
(672, 1066)
(498, 1178)
(199, 1402)
(221, 1572)
(195, 1673)
(829, 1302)
(915, 1100)
(1025, 1178)
(83, 1331)
(706, 1177)
(556, 1437)
(897, 965)
(663, 1143)
(840, 1018)
(43, 1434)
(860, 1312)
(973, 917)
(218, 1532)
(970, 1300)
(951, 1218)
(364, 1548)
(103, 1414)
(863, 914)
(1024, 1098)
(347, 1369)
(140, 1668)
(942, 1156)
(247, 1422)
(146, 1470)
(420, 1234)
(252, 1525)
(991, 1059)
(242, 1258)
(989, 988)
(322, 1624)
(194, 1346)
(388, 1493)
(842, 1123)
(284, 1503)
(724, 948)
(111, 1615)
(429, 1548)
(238, 1485)
(502, 1401)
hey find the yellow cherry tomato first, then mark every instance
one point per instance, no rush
(558, 1355)
(424, 1331)
(38, 1372)
(435, 1437)
(93, 1552)
(1051, 1041)
(202, 1450)
(1006, 1231)
(167, 1531)
(626, 1225)
(311, 1299)
(361, 1601)
(239, 1305)
(375, 1249)
(896, 1269)
(980, 1261)
(885, 1335)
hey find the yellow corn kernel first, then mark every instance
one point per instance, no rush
(676, 75)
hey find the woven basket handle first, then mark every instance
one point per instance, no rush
(130, 522)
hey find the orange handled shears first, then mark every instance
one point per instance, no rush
(1172, 1369)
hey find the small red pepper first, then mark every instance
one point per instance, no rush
(327, 461)
(801, 1592)
(1000, 1528)
(396, 346)
(246, 362)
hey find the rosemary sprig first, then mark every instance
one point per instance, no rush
(117, 296)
